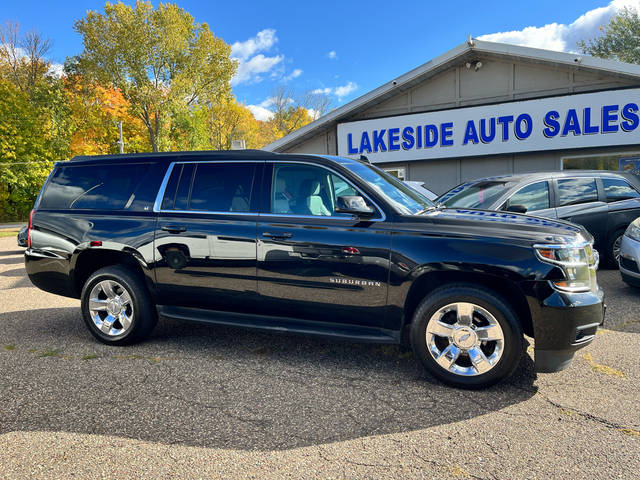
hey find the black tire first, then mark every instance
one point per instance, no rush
(512, 344)
(610, 258)
(144, 316)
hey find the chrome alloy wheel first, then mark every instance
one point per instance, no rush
(111, 308)
(465, 339)
(616, 248)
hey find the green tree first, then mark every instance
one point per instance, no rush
(620, 39)
(34, 120)
(163, 63)
(25, 154)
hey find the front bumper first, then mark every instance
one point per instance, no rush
(563, 323)
(630, 261)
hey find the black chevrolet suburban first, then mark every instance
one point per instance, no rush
(311, 244)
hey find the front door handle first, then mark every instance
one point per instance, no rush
(281, 235)
(174, 228)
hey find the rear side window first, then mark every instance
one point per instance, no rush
(618, 189)
(210, 187)
(573, 191)
(99, 187)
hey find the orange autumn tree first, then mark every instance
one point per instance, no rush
(95, 113)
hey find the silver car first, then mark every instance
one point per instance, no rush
(630, 254)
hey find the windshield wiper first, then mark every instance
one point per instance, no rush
(431, 208)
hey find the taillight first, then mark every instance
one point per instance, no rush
(30, 227)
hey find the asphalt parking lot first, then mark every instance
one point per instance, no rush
(200, 401)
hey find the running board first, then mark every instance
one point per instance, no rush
(281, 324)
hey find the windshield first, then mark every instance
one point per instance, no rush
(402, 197)
(476, 195)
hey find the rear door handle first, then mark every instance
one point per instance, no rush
(174, 228)
(281, 235)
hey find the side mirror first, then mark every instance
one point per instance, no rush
(517, 209)
(355, 205)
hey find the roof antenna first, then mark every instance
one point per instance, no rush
(471, 42)
(364, 158)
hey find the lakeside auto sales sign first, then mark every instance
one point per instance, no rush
(575, 121)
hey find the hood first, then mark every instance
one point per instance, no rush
(467, 222)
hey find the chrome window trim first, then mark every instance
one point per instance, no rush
(163, 186)
(381, 218)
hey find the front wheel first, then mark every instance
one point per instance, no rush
(116, 306)
(613, 248)
(467, 336)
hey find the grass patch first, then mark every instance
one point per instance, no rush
(50, 353)
(89, 356)
(127, 357)
(8, 234)
(597, 367)
(9, 347)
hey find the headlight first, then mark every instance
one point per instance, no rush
(633, 230)
(578, 262)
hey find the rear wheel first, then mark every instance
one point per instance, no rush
(116, 306)
(467, 336)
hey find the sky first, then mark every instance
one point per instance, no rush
(343, 49)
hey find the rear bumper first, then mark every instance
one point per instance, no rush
(564, 323)
(49, 272)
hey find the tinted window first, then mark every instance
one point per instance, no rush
(222, 187)
(577, 190)
(307, 190)
(476, 195)
(181, 201)
(618, 189)
(532, 197)
(102, 187)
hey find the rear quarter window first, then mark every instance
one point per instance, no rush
(100, 187)
(618, 189)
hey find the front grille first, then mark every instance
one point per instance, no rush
(629, 264)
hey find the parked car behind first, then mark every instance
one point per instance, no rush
(421, 189)
(22, 236)
(630, 254)
(604, 202)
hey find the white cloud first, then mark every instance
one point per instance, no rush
(339, 92)
(264, 40)
(56, 69)
(562, 37)
(295, 74)
(252, 64)
(332, 55)
(345, 90)
(249, 71)
(260, 113)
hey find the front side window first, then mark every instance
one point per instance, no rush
(618, 189)
(533, 197)
(307, 190)
(210, 187)
(573, 191)
(404, 199)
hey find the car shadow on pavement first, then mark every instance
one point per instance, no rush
(221, 387)
(9, 258)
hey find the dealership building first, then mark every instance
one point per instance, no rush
(485, 109)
